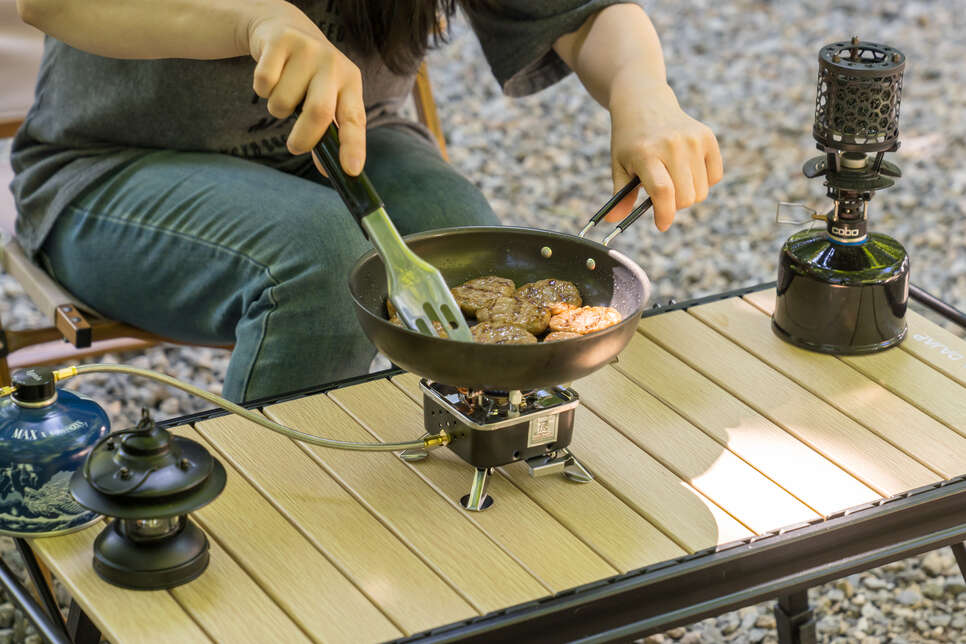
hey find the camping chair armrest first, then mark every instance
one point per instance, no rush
(55, 303)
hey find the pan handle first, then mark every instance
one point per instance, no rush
(627, 221)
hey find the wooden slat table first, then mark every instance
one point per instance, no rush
(706, 438)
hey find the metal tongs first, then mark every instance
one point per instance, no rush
(627, 221)
(416, 287)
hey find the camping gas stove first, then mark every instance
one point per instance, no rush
(493, 428)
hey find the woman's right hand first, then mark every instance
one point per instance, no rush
(296, 64)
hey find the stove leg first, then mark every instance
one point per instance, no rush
(415, 454)
(574, 471)
(478, 500)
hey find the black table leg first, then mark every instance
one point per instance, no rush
(795, 619)
(959, 551)
(39, 580)
(80, 627)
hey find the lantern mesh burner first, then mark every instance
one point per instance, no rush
(857, 103)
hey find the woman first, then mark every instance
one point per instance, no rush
(164, 178)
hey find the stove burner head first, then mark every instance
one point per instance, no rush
(844, 290)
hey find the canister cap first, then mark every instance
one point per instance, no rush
(34, 385)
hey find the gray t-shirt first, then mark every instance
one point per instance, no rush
(92, 114)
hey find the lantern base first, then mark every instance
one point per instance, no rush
(150, 565)
(841, 299)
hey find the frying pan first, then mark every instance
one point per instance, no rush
(603, 276)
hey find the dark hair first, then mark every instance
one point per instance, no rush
(399, 30)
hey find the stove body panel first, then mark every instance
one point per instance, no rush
(491, 431)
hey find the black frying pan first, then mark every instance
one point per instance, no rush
(465, 253)
(603, 276)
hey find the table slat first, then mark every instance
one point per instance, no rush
(845, 388)
(691, 454)
(146, 613)
(514, 521)
(922, 384)
(231, 607)
(286, 566)
(936, 346)
(627, 543)
(381, 565)
(482, 572)
(784, 402)
(799, 469)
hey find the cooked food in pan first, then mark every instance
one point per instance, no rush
(517, 316)
(586, 319)
(482, 292)
(488, 333)
(554, 295)
(505, 311)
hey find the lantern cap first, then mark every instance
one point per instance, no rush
(145, 472)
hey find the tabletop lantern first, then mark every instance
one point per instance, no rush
(844, 290)
(149, 480)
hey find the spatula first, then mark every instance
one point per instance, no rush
(416, 288)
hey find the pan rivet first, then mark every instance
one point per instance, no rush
(546, 252)
(591, 264)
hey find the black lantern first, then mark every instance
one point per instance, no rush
(149, 480)
(844, 290)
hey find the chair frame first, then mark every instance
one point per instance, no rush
(76, 331)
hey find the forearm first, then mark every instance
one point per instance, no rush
(617, 40)
(199, 29)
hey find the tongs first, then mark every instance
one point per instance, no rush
(626, 222)
(416, 287)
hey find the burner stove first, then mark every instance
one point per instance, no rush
(494, 428)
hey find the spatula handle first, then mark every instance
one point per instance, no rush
(357, 192)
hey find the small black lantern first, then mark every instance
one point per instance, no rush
(149, 481)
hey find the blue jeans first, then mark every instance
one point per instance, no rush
(212, 249)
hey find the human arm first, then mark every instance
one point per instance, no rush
(293, 58)
(617, 56)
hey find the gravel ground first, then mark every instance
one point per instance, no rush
(747, 68)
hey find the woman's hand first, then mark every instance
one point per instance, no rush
(617, 55)
(296, 64)
(675, 156)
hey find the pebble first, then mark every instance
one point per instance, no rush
(873, 583)
(935, 563)
(932, 590)
(909, 596)
(765, 621)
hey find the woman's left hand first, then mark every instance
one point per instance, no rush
(676, 156)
